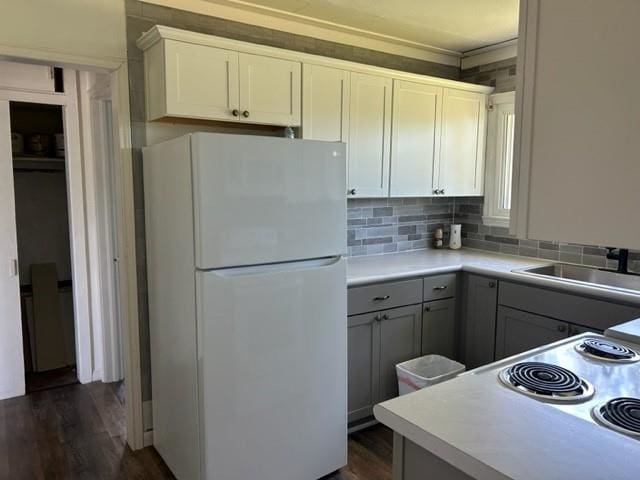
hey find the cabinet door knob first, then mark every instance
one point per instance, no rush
(492, 284)
(235, 112)
(427, 308)
(562, 328)
(351, 192)
(385, 317)
(435, 192)
(245, 114)
(382, 298)
(442, 191)
(377, 318)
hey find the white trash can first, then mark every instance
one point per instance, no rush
(425, 371)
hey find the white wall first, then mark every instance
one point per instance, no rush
(64, 31)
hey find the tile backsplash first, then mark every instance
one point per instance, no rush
(389, 225)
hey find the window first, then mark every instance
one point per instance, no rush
(501, 121)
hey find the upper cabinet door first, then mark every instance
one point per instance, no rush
(325, 103)
(369, 135)
(464, 116)
(201, 82)
(270, 90)
(415, 145)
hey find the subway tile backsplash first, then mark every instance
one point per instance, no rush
(389, 225)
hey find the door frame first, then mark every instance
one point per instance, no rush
(76, 213)
(126, 237)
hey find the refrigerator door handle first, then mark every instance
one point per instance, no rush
(271, 268)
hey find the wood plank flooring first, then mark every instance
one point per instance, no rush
(78, 432)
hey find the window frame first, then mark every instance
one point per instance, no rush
(501, 106)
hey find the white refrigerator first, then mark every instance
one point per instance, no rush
(247, 305)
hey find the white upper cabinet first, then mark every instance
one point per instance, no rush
(576, 166)
(201, 82)
(269, 90)
(325, 103)
(407, 135)
(415, 141)
(187, 80)
(464, 118)
(369, 136)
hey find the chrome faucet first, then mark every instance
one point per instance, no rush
(622, 257)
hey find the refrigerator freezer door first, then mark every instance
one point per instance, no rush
(272, 366)
(262, 199)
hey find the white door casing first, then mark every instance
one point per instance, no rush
(11, 352)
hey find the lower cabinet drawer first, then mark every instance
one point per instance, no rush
(592, 313)
(384, 295)
(439, 286)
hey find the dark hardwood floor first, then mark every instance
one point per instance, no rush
(78, 432)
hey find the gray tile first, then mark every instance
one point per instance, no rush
(548, 246)
(570, 257)
(382, 211)
(549, 254)
(568, 248)
(507, 240)
(375, 249)
(594, 261)
(374, 241)
(508, 249)
(528, 252)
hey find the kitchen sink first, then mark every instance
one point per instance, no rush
(585, 275)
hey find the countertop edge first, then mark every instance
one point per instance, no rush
(509, 275)
(447, 452)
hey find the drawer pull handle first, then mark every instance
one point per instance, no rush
(440, 288)
(381, 299)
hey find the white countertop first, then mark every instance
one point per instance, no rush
(494, 433)
(396, 266)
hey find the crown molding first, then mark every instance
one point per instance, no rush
(489, 54)
(239, 11)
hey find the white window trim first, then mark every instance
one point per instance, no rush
(501, 105)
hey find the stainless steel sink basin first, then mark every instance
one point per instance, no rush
(585, 275)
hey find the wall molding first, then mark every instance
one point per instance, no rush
(490, 54)
(238, 11)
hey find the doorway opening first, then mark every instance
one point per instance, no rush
(44, 254)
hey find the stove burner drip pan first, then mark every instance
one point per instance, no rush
(546, 382)
(601, 349)
(621, 414)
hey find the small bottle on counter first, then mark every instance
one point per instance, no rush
(438, 237)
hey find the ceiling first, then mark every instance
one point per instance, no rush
(453, 25)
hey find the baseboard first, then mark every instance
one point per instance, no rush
(361, 426)
(147, 440)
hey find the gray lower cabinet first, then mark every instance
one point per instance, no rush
(399, 341)
(518, 331)
(480, 304)
(439, 328)
(377, 341)
(363, 346)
